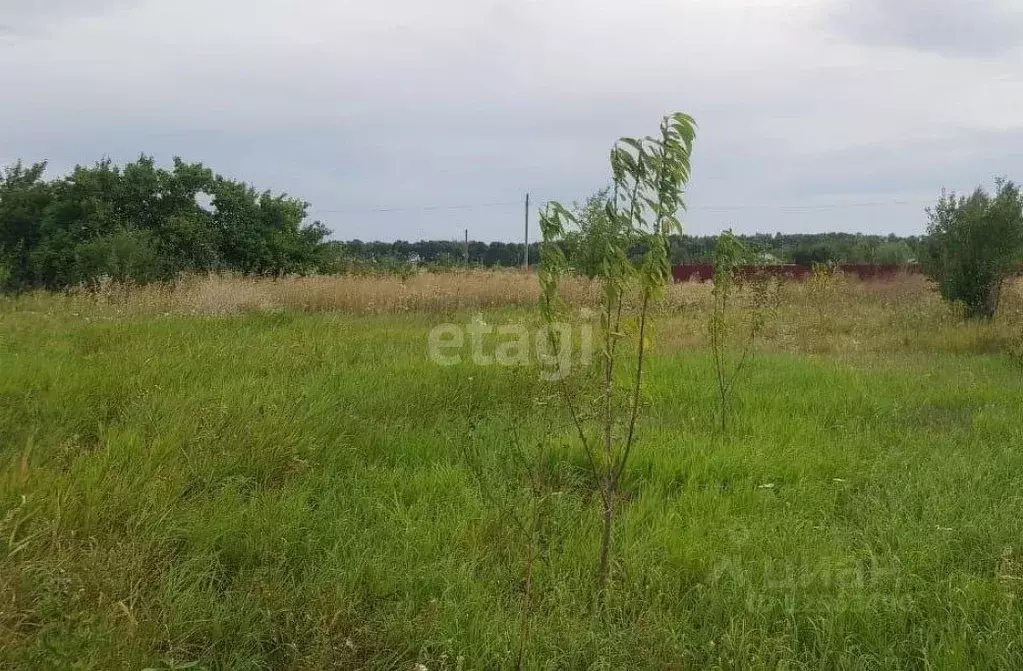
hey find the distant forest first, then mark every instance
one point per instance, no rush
(769, 249)
(776, 248)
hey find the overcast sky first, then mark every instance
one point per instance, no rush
(815, 115)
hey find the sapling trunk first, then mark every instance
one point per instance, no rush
(527, 605)
(603, 571)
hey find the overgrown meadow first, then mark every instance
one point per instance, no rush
(238, 473)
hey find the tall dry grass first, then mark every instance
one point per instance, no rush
(425, 292)
(847, 317)
(842, 316)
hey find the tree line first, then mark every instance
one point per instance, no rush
(142, 223)
(805, 249)
(777, 248)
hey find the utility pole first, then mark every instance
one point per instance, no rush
(525, 254)
(467, 248)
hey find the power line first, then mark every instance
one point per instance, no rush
(419, 208)
(805, 207)
(791, 207)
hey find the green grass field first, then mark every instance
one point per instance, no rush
(289, 489)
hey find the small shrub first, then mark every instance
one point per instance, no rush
(973, 245)
(730, 255)
(820, 289)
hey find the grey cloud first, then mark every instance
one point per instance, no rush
(959, 161)
(981, 28)
(874, 188)
(29, 17)
(455, 107)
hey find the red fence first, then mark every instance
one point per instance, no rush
(703, 272)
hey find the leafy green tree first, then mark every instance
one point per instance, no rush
(973, 244)
(122, 256)
(812, 253)
(892, 253)
(24, 197)
(186, 242)
(585, 245)
(142, 223)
